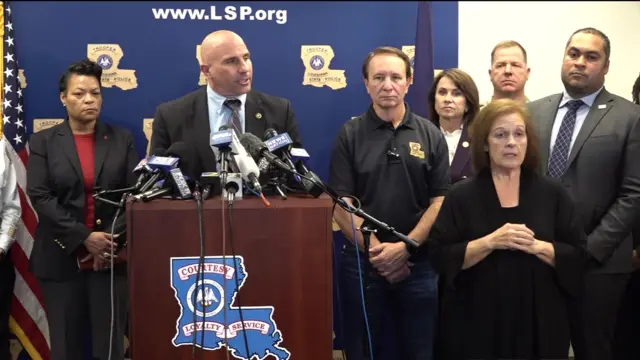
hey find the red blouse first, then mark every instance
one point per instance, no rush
(86, 145)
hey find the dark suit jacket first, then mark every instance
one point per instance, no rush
(55, 186)
(187, 119)
(603, 174)
(461, 166)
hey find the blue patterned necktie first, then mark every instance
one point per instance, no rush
(234, 121)
(560, 153)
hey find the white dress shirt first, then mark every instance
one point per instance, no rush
(581, 115)
(453, 138)
(10, 210)
(218, 113)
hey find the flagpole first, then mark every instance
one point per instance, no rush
(423, 62)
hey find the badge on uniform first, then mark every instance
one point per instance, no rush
(416, 150)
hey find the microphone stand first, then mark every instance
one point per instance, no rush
(279, 190)
(228, 186)
(372, 226)
(125, 193)
(231, 192)
(119, 206)
(197, 195)
(276, 185)
(223, 167)
(366, 236)
(375, 223)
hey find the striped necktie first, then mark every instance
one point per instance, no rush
(560, 152)
(234, 121)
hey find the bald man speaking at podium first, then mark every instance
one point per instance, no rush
(226, 100)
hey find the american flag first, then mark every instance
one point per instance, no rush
(28, 320)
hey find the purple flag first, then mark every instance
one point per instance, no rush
(423, 61)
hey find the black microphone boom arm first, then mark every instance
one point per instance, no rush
(356, 211)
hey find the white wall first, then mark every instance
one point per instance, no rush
(543, 28)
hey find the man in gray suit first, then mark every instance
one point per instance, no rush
(590, 141)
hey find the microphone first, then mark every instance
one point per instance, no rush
(258, 149)
(180, 151)
(392, 154)
(247, 166)
(166, 167)
(155, 175)
(149, 175)
(280, 145)
(160, 166)
(263, 165)
(301, 157)
(149, 195)
(210, 182)
(222, 140)
(176, 178)
(143, 171)
(163, 163)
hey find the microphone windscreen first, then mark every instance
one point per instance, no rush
(252, 144)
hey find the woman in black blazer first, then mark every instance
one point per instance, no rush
(453, 103)
(66, 163)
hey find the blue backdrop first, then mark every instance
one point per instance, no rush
(52, 35)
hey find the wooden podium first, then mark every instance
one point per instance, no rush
(284, 265)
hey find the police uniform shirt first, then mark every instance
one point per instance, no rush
(10, 210)
(393, 172)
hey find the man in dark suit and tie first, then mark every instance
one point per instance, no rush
(228, 99)
(590, 141)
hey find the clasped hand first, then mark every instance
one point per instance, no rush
(514, 237)
(390, 260)
(99, 246)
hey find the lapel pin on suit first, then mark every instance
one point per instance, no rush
(465, 144)
(258, 116)
(105, 137)
(602, 106)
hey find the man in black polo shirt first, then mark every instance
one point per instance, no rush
(397, 164)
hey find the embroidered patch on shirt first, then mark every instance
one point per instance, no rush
(416, 150)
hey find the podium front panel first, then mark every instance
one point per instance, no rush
(282, 278)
